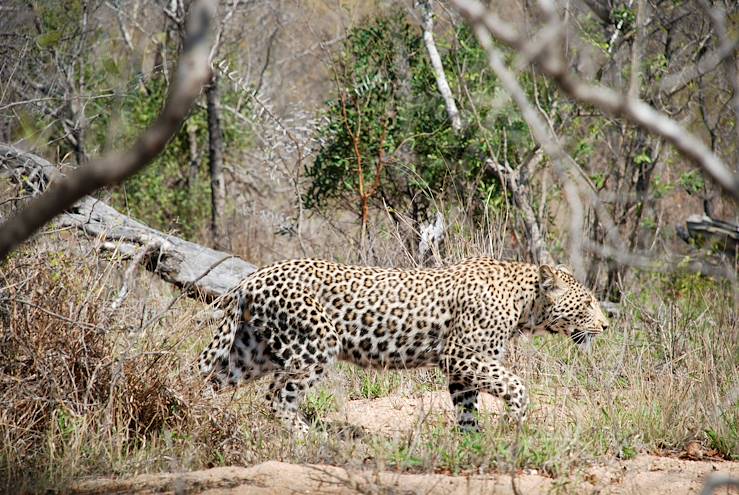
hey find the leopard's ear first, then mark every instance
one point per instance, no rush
(547, 276)
(550, 281)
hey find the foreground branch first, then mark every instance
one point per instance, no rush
(548, 142)
(192, 73)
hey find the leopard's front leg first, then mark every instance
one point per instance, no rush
(465, 397)
(482, 373)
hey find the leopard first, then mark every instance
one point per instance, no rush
(295, 319)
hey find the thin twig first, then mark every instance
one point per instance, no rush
(60, 317)
(127, 277)
(187, 287)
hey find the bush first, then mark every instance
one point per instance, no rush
(387, 101)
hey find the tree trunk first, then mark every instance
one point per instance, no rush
(215, 155)
(194, 171)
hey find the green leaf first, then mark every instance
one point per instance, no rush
(642, 157)
(49, 39)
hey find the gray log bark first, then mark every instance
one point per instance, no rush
(175, 260)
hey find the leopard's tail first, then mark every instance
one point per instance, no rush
(214, 359)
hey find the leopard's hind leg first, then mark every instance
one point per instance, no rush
(249, 357)
(304, 346)
(237, 352)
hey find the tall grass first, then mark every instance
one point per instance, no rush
(86, 391)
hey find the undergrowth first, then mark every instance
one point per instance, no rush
(87, 391)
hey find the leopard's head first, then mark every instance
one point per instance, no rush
(565, 306)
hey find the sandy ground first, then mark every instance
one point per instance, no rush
(643, 475)
(393, 415)
(390, 415)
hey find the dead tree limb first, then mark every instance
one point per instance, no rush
(175, 260)
(192, 73)
(551, 63)
(427, 16)
(516, 182)
(721, 235)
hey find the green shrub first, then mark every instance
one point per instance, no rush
(387, 104)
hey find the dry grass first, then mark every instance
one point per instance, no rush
(84, 392)
(83, 389)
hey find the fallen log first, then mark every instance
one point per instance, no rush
(718, 234)
(202, 272)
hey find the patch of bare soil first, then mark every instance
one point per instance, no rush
(396, 414)
(393, 415)
(645, 474)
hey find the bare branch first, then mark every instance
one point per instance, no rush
(128, 275)
(547, 140)
(121, 25)
(676, 81)
(267, 59)
(427, 15)
(634, 110)
(193, 72)
(726, 44)
(516, 186)
(221, 29)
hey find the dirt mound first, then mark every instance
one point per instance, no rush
(646, 474)
(281, 478)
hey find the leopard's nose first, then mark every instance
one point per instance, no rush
(604, 326)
